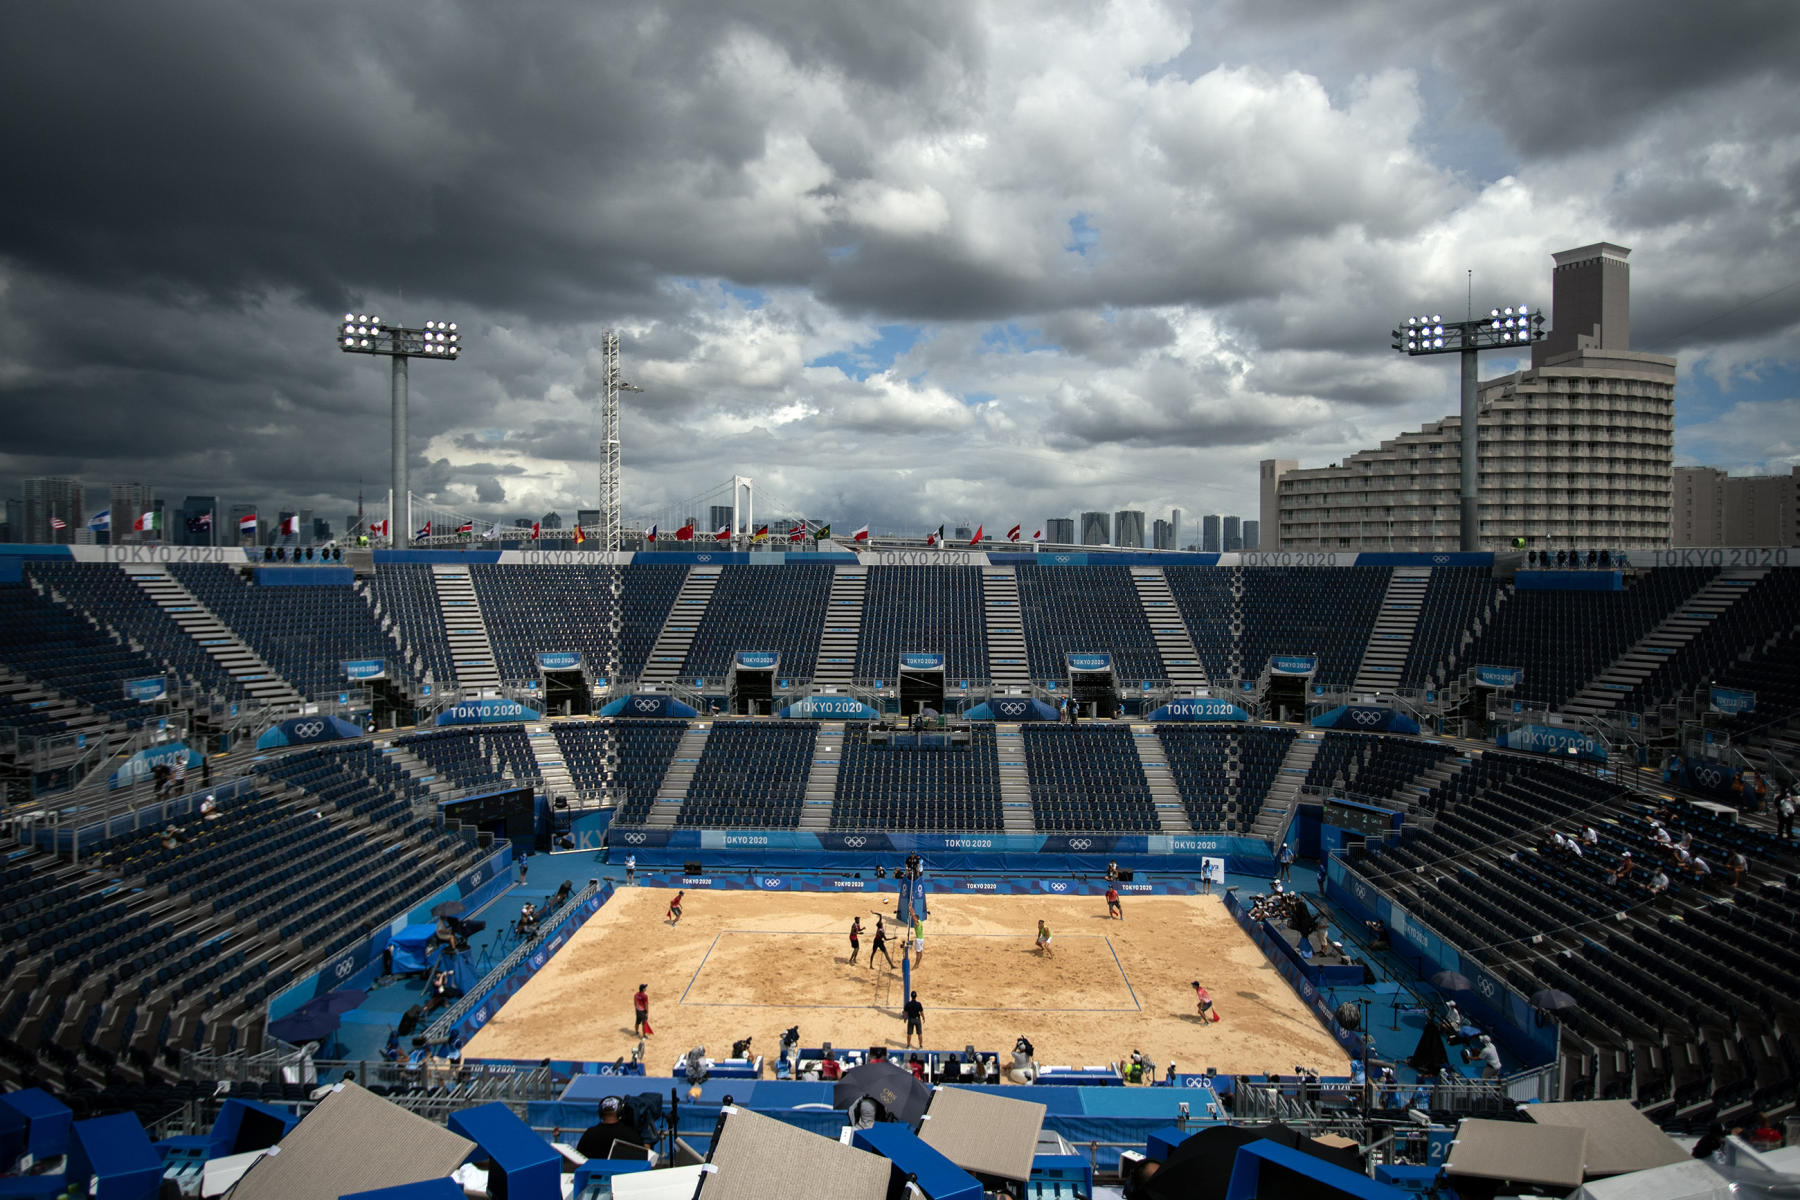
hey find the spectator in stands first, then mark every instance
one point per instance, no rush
(1590, 835)
(1624, 868)
(1489, 1057)
(1659, 883)
(1784, 812)
(613, 1126)
(159, 774)
(1699, 868)
(1740, 867)
(209, 808)
(171, 837)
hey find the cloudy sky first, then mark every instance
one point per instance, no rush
(907, 262)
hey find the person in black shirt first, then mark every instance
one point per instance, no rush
(614, 1126)
(914, 1012)
(880, 944)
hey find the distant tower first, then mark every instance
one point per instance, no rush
(613, 384)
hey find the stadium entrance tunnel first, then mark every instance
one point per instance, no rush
(921, 687)
(1285, 698)
(1092, 685)
(751, 688)
(566, 694)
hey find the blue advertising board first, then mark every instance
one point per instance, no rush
(1732, 700)
(146, 690)
(757, 660)
(1498, 677)
(1199, 708)
(486, 712)
(1293, 664)
(364, 668)
(1549, 739)
(831, 708)
(559, 660)
(1090, 660)
(921, 662)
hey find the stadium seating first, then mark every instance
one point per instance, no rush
(1563, 639)
(934, 609)
(900, 785)
(122, 609)
(1223, 774)
(302, 632)
(644, 749)
(1322, 611)
(565, 608)
(756, 608)
(1370, 766)
(1087, 778)
(477, 759)
(1766, 612)
(1455, 597)
(404, 595)
(47, 642)
(1067, 610)
(751, 775)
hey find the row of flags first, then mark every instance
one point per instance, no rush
(688, 533)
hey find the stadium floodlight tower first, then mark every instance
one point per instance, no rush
(609, 441)
(1512, 328)
(363, 333)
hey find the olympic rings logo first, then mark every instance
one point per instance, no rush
(856, 841)
(344, 969)
(309, 728)
(643, 704)
(636, 839)
(1365, 716)
(1059, 886)
(1080, 843)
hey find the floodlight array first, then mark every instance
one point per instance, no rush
(441, 338)
(1514, 324)
(358, 329)
(1425, 333)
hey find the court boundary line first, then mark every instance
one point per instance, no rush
(1136, 1005)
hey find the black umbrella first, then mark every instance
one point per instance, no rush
(904, 1097)
(1551, 1000)
(1450, 981)
(449, 908)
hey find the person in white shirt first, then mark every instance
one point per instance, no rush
(1490, 1058)
(1591, 836)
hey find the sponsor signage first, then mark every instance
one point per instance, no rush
(559, 660)
(1548, 739)
(1293, 664)
(1499, 677)
(757, 660)
(1200, 708)
(1722, 556)
(146, 690)
(921, 662)
(486, 712)
(839, 707)
(923, 558)
(1090, 660)
(1731, 700)
(364, 668)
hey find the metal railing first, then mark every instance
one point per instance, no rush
(439, 1030)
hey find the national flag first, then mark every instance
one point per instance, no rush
(797, 533)
(534, 530)
(861, 535)
(424, 531)
(976, 540)
(685, 533)
(379, 528)
(247, 523)
(822, 533)
(290, 525)
(935, 539)
(761, 535)
(148, 522)
(1038, 536)
(466, 529)
(494, 533)
(651, 536)
(1012, 535)
(724, 534)
(58, 523)
(201, 523)
(580, 535)
(101, 522)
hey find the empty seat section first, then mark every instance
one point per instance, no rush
(1239, 617)
(640, 754)
(1563, 639)
(900, 785)
(303, 632)
(935, 609)
(751, 775)
(1068, 610)
(762, 608)
(1455, 598)
(1766, 611)
(1087, 778)
(491, 757)
(50, 644)
(404, 600)
(1223, 774)
(566, 608)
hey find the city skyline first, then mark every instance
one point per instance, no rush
(902, 267)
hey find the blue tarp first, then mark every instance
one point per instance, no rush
(1013, 708)
(117, 1152)
(303, 731)
(936, 1176)
(409, 947)
(530, 1167)
(648, 706)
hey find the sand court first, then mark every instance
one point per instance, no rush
(744, 963)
